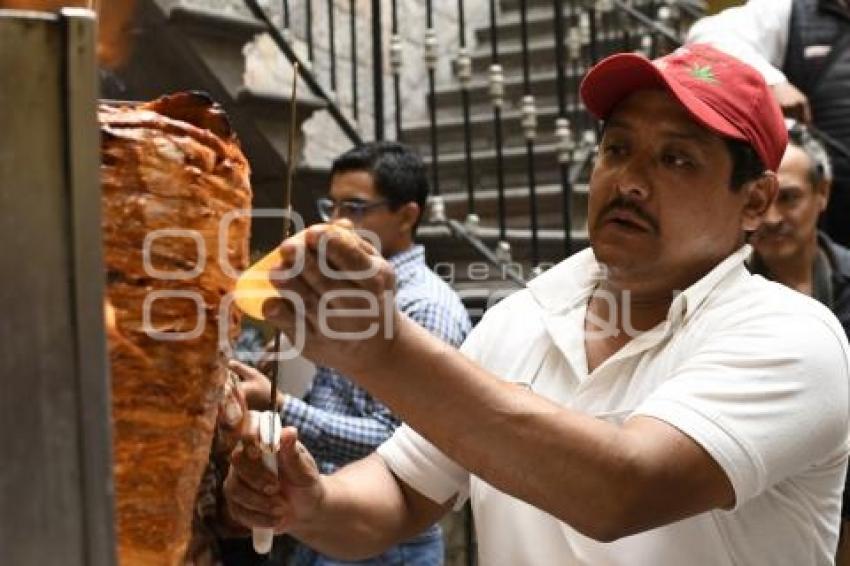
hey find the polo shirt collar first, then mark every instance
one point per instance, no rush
(570, 283)
(730, 269)
(564, 286)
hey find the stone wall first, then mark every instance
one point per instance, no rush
(267, 68)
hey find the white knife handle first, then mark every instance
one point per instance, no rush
(269, 427)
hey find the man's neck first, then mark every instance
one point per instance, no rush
(796, 271)
(614, 317)
(636, 310)
(399, 248)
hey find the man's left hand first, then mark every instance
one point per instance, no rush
(339, 307)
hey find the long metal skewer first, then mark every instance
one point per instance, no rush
(287, 221)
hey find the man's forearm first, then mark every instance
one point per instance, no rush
(589, 473)
(365, 511)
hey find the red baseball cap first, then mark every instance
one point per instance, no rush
(720, 92)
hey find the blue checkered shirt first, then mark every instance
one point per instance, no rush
(338, 421)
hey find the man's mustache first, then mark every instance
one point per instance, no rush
(624, 204)
(778, 229)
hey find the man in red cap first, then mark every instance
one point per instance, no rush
(647, 401)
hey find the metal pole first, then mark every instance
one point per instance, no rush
(308, 7)
(395, 64)
(561, 86)
(377, 70)
(431, 62)
(464, 64)
(332, 43)
(529, 123)
(352, 8)
(497, 94)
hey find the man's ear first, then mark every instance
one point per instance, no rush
(409, 215)
(760, 194)
(822, 191)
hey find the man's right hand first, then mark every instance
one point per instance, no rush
(257, 498)
(255, 386)
(793, 102)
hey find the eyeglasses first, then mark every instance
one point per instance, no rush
(353, 209)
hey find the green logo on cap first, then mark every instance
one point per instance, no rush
(703, 73)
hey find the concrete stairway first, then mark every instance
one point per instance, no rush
(177, 47)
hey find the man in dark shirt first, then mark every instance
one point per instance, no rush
(789, 248)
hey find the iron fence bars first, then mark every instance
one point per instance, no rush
(624, 24)
(332, 46)
(461, 231)
(573, 51)
(431, 59)
(304, 72)
(694, 10)
(563, 135)
(590, 38)
(355, 101)
(286, 17)
(395, 68)
(646, 21)
(529, 127)
(607, 32)
(497, 93)
(308, 19)
(587, 26)
(668, 16)
(463, 71)
(377, 70)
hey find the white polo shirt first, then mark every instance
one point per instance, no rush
(755, 373)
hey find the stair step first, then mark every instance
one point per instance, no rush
(549, 199)
(270, 113)
(217, 23)
(543, 85)
(451, 133)
(511, 5)
(441, 244)
(541, 54)
(215, 39)
(540, 22)
(266, 103)
(452, 168)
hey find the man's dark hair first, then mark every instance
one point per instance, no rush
(746, 164)
(397, 170)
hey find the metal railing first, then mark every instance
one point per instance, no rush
(526, 67)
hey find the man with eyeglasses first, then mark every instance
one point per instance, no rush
(382, 189)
